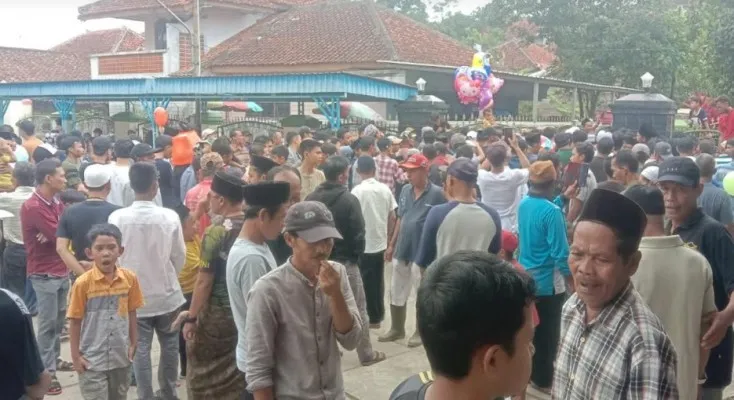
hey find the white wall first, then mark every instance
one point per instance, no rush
(17, 110)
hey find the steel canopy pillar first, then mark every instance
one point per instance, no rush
(4, 104)
(331, 108)
(149, 105)
(65, 108)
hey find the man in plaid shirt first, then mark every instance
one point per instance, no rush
(613, 346)
(388, 170)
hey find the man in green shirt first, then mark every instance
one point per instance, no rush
(563, 148)
(74, 149)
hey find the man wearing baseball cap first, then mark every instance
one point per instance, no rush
(415, 200)
(462, 223)
(679, 180)
(78, 219)
(307, 300)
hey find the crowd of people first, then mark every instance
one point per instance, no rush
(586, 263)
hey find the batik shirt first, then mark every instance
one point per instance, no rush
(622, 354)
(218, 240)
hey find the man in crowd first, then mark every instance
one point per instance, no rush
(284, 173)
(14, 273)
(378, 209)
(388, 171)
(101, 153)
(662, 152)
(210, 164)
(311, 158)
(686, 147)
(604, 148)
(462, 223)
(485, 353)
(724, 169)
(646, 133)
(679, 179)
(668, 266)
(315, 293)
(348, 219)
(74, 149)
(714, 201)
(726, 119)
(293, 141)
(166, 181)
(280, 154)
(231, 166)
(625, 168)
(47, 272)
(120, 193)
(365, 147)
(77, 220)
(241, 146)
(500, 186)
(564, 148)
(156, 252)
(544, 254)
(533, 140)
(259, 167)
(583, 153)
(27, 130)
(250, 258)
(415, 200)
(635, 359)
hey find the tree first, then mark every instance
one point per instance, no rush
(419, 10)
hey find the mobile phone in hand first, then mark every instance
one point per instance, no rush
(507, 133)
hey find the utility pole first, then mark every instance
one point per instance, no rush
(196, 40)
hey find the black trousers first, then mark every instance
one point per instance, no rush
(547, 334)
(14, 269)
(181, 341)
(372, 268)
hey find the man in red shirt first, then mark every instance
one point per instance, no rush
(46, 270)
(726, 119)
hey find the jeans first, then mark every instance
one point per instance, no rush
(364, 347)
(168, 365)
(14, 275)
(372, 267)
(51, 292)
(105, 385)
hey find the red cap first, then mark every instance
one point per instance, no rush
(509, 241)
(415, 161)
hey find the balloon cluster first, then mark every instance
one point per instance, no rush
(477, 84)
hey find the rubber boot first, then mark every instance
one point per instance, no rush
(415, 340)
(397, 330)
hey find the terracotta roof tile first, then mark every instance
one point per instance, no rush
(28, 65)
(515, 56)
(106, 8)
(104, 41)
(337, 33)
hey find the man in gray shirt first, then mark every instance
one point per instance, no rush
(714, 201)
(297, 313)
(250, 258)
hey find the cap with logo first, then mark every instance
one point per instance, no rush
(464, 170)
(142, 150)
(97, 175)
(311, 221)
(415, 161)
(681, 170)
(664, 150)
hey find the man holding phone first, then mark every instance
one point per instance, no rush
(580, 175)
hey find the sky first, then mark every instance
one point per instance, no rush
(42, 24)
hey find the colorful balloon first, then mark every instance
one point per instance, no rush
(729, 183)
(495, 83)
(160, 116)
(476, 84)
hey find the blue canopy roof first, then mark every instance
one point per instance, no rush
(293, 87)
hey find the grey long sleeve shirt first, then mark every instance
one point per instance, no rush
(291, 341)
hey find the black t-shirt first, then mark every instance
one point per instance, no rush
(413, 388)
(166, 182)
(78, 219)
(20, 362)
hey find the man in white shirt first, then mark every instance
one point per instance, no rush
(121, 194)
(500, 185)
(155, 250)
(677, 284)
(378, 209)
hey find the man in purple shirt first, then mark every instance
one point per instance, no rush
(47, 272)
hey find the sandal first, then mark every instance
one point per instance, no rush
(55, 388)
(64, 366)
(377, 357)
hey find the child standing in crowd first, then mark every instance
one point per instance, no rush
(7, 157)
(104, 338)
(187, 276)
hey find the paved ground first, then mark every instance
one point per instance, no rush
(362, 383)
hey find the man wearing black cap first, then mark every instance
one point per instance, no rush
(250, 258)
(461, 224)
(210, 328)
(347, 214)
(258, 169)
(612, 346)
(679, 179)
(669, 266)
(306, 300)
(121, 193)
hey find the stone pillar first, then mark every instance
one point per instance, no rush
(416, 112)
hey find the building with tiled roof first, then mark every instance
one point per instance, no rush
(104, 41)
(517, 56)
(334, 35)
(30, 65)
(140, 9)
